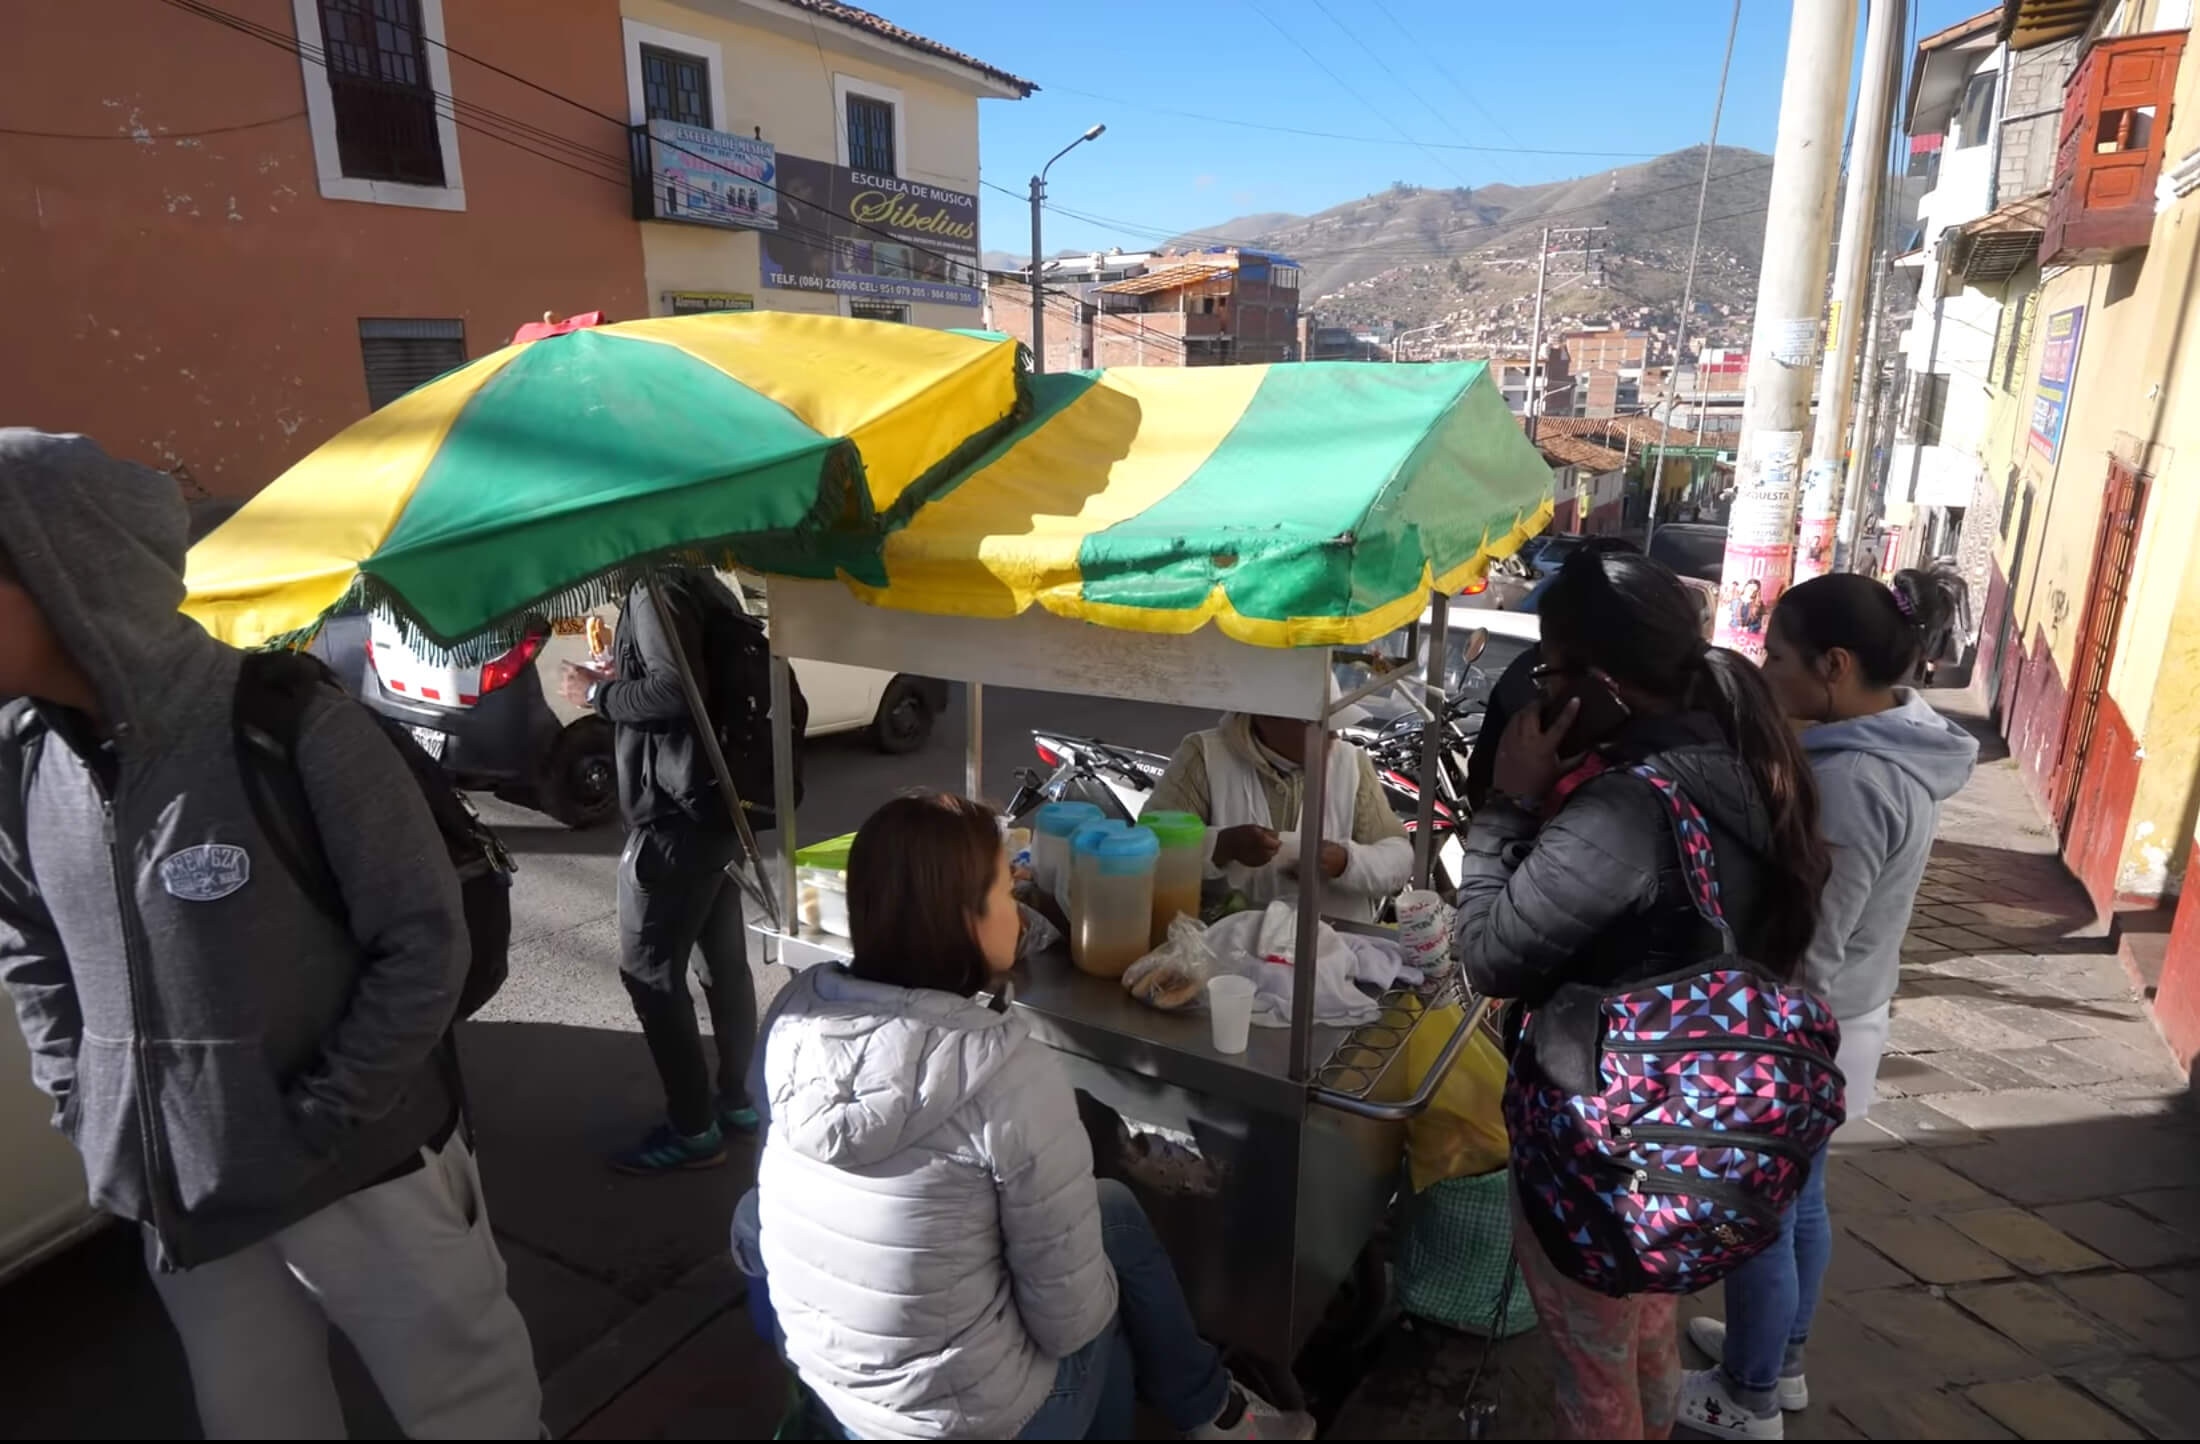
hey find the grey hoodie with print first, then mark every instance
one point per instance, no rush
(1881, 780)
(226, 1058)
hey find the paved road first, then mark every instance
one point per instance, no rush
(557, 1078)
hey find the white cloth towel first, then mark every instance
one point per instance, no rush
(1262, 945)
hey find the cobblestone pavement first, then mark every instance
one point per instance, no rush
(2018, 1220)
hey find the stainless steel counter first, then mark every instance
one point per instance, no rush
(1290, 1191)
(1077, 1013)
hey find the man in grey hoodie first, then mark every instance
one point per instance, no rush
(266, 1091)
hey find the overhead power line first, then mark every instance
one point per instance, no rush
(150, 137)
(1243, 124)
(1347, 87)
(563, 151)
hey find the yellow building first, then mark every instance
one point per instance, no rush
(801, 156)
(2091, 633)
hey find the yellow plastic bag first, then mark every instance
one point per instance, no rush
(1462, 1133)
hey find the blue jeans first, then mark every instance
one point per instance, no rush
(1770, 1299)
(1152, 1350)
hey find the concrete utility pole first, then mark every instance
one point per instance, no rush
(1528, 403)
(1856, 489)
(1852, 269)
(1038, 254)
(1592, 270)
(1806, 164)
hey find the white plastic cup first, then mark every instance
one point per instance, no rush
(1230, 1011)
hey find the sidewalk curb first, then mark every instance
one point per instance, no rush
(598, 1374)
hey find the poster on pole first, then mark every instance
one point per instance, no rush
(2058, 368)
(1760, 541)
(874, 237)
(1814, 539)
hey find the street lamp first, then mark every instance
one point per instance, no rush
(1038, 297)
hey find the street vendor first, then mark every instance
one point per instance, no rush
(1247, 779)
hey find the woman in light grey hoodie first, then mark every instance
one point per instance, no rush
(940, 1258)
(1837, 653)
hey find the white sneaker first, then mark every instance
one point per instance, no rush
(1708, 1408)
(1261, 1420)
(1793, 1391)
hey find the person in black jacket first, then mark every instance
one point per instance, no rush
(1516, 686)
(1572, 874)
(675, 897)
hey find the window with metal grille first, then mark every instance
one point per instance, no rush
(878, 311)
(402, 354)
(378, 80)
(870, 135)
(676, 86)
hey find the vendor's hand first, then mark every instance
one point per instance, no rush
(1335, 859)
(574, 682)
(1247, 845)
(1527, 755)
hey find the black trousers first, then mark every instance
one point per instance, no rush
(676, 903)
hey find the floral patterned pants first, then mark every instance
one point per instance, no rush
(1617, 1361)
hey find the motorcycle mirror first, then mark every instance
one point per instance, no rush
(1476, 641)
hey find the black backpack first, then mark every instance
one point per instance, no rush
(735, 677)
(274, 689)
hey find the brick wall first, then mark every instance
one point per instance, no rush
(1068, 339)
(2032, 119)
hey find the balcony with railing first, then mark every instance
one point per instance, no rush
(2116, 114)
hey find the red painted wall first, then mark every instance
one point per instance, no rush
(2033, 720)
(177, 287)
(2107, 782)
(2177, 997)
(1993, 619)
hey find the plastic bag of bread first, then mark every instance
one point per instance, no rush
(1175, 974)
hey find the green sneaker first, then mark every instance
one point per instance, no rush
(665, 1151)
(743, 1119)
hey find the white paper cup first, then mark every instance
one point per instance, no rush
(1230, 1011)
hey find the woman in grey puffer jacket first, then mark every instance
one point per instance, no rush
(942, 1262)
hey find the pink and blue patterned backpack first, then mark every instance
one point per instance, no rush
(1662, 1128)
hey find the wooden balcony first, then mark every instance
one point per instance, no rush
(2116, 115)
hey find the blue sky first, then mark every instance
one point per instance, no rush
(1568, 75)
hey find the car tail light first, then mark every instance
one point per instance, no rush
(372, 665)
(1476, 587)
(500, 672)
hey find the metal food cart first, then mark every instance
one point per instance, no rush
(1299, 1138)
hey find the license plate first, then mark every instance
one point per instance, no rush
(430, 740)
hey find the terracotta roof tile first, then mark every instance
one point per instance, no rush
(886, 29)
(1573, 451)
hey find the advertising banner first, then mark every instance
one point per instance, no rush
(711, 178)
(2058, 366)
(876, 237)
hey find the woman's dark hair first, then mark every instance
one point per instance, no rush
(1885, 628)
(919, 870)
(1633, 619)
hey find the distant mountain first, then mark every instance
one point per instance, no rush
(1412, 256)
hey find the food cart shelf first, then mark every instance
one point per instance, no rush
(1364, 1059)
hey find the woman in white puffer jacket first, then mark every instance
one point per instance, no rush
(942, 1262)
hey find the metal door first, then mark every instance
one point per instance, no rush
(2107, 586)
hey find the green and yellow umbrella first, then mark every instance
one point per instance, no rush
(547, 472)
(1311, 504)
